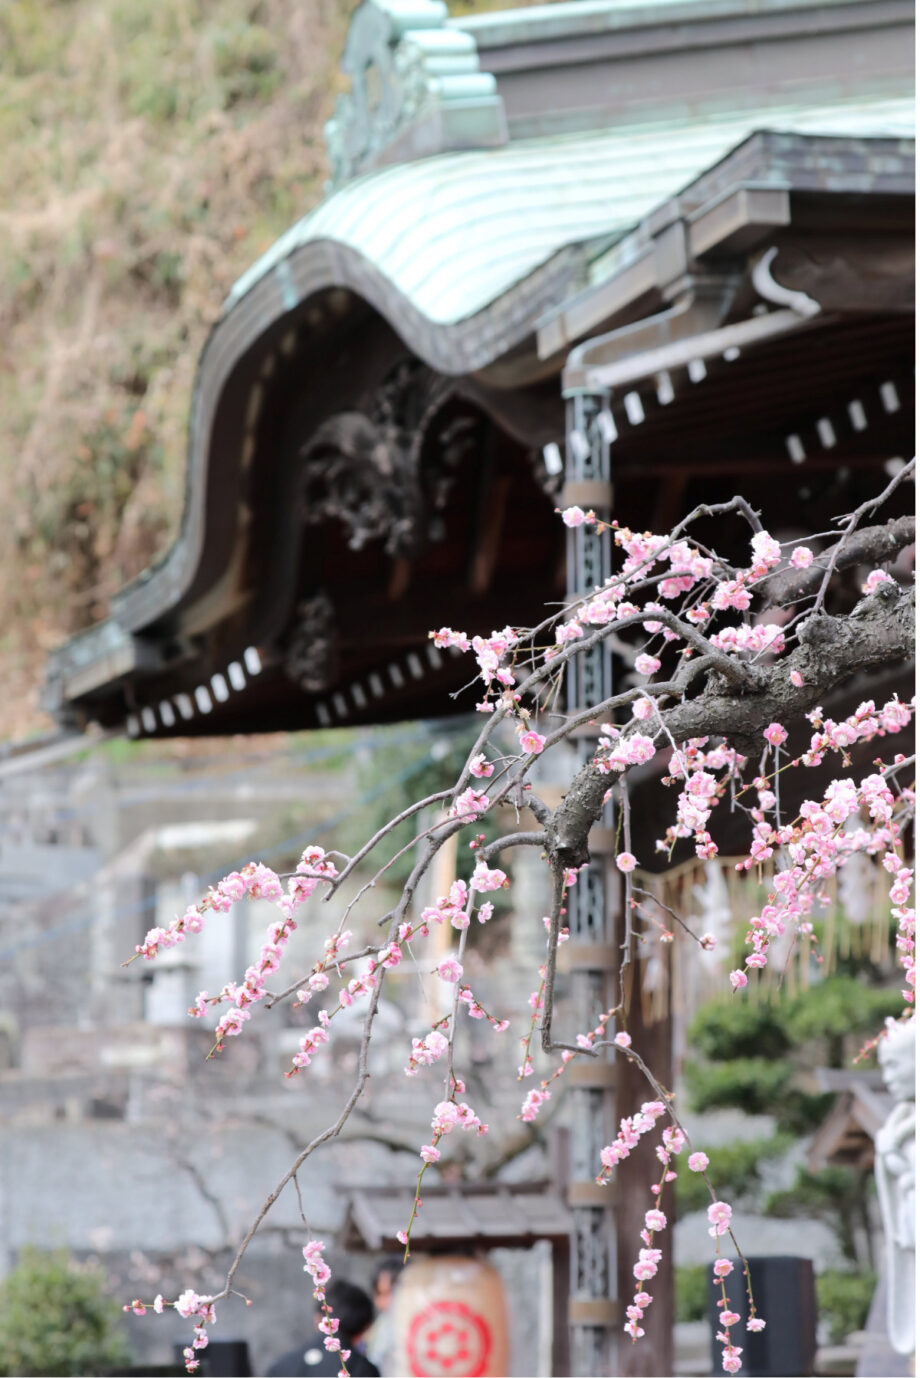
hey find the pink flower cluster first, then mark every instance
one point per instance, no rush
(491, 651)
(720, 1215)
(255, 880)
(575, 516)
(252, 989)
(356, 989)
(539, 1095)
(865, 724)
(877, 577)
(616, 751)
(426, 1051)
(646, 1266)
(310, 1044)
(448, 637)
(535, 1098)
(765, 636)
(258, 882)
(319, 1271)
(192, 1307)
(732, 593)
(816, 846)
(484, 880)
(469, 805)
(631, 1130)
(450, 970)
(701, 791)
(452, 907)
(767, 554)
(477, 1011)
(449, 1115)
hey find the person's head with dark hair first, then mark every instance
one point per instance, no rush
(355, 1311)
(385, 1275)
(352, 1305)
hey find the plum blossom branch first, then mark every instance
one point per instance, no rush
(733, 689)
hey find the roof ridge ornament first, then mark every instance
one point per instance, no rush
(416, 90)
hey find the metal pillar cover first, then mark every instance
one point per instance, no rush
(592, 1306)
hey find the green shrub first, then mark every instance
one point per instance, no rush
(691, 1292)
(56, 1319)
(838, 1007)
(801, 1112)
(246, 59)
(836, 1195)
(844, 1300)
(752, 1084)
(734, 1171)
(723, 1032)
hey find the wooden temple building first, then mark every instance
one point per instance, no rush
(633, 254)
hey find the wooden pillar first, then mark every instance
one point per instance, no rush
(561, 1354)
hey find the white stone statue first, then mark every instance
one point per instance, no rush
(895, 1175)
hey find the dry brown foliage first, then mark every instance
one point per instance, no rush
(152, 150)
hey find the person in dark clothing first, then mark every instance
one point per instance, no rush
(355, 1311)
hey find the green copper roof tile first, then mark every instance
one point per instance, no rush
(455, 231)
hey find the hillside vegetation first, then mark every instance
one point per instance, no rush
(152, 149)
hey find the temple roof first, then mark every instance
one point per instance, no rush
(460, 255)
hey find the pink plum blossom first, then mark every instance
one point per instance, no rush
(574, 516)
(877, 577)
(469, 804)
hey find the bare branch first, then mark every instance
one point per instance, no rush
(853, 521)
(380, 835)
(875, 545)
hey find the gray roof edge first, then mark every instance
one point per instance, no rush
(583, 18)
